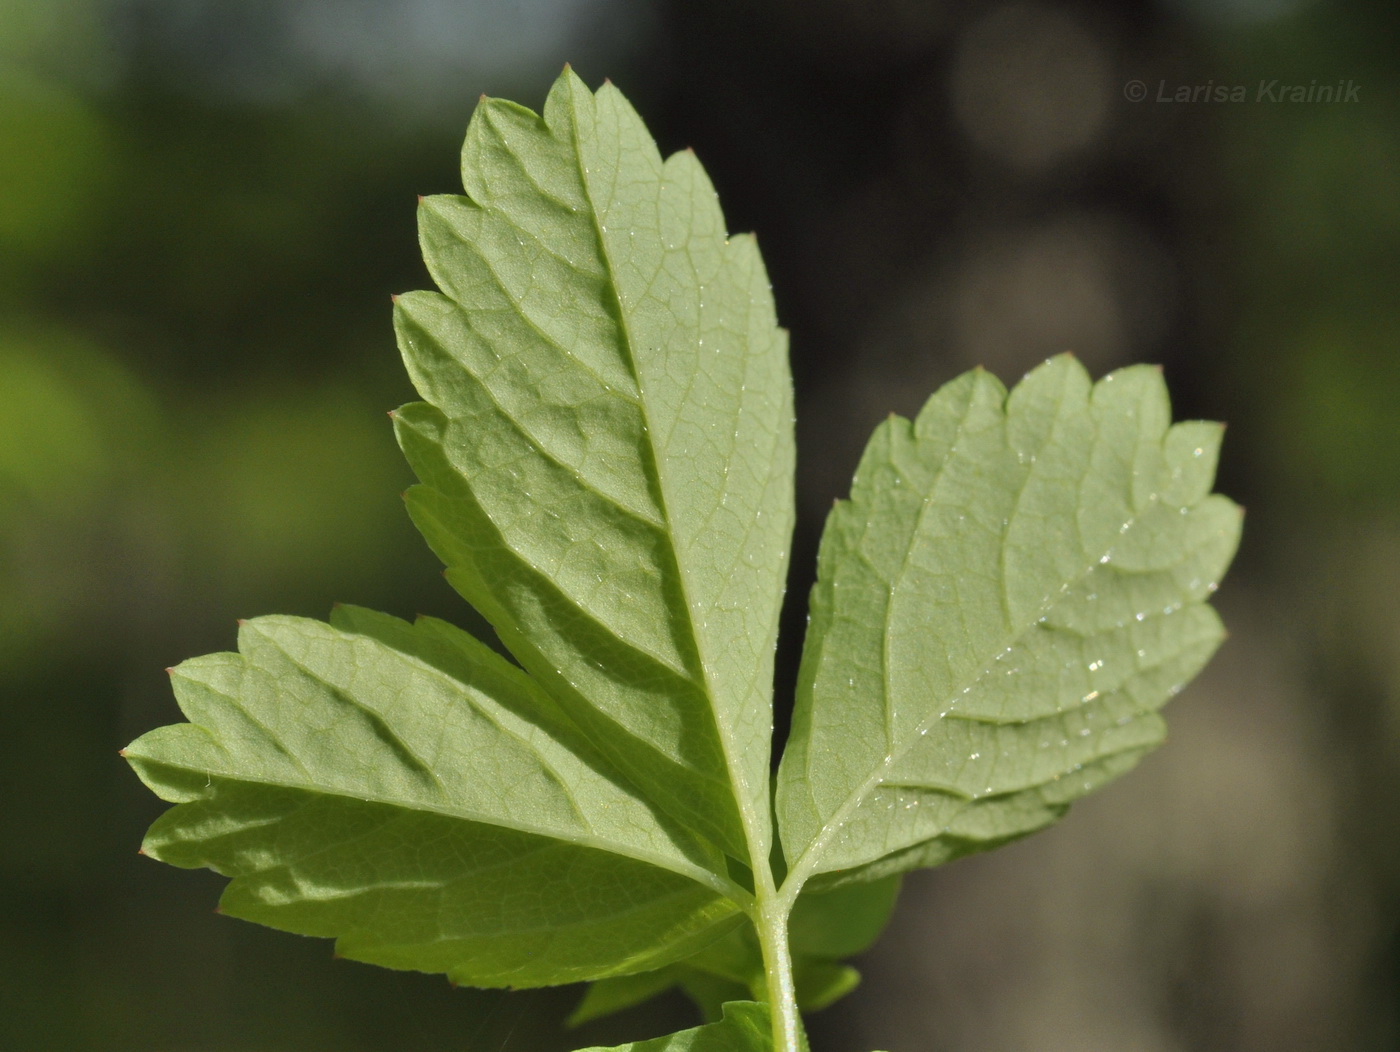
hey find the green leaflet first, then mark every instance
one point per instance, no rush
(407, 790)
(1015, 587)
(606, 448)
(844, 921)
(744, 1028)
(607, 996)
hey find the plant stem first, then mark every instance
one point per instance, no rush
(771, 923)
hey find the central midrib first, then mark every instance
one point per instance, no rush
(757, 849)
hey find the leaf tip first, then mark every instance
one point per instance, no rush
(142, 851)
(170, 670)
(420, 196)
(219, 910)
(393, 297)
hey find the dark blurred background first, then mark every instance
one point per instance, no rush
(204, 208)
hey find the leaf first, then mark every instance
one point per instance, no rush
(606, 996)
(820, 984)
(822, 929)
(405, 789)
(1015, 587)
(605, 448)
(605, 460)
(709, 991)
(844, 921)
(744, 1028)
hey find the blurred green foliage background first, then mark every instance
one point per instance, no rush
(204, 209)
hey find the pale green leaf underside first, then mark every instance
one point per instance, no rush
(605, 457)
(744, 1028)
(1015, 587)
(406, 790)
(605, 447)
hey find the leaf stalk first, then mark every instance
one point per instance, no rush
(771, 923)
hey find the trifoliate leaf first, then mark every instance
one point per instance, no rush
(408, 791)
(744, 1028)
(605, 459)
(605, 449)
(1015, 587)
